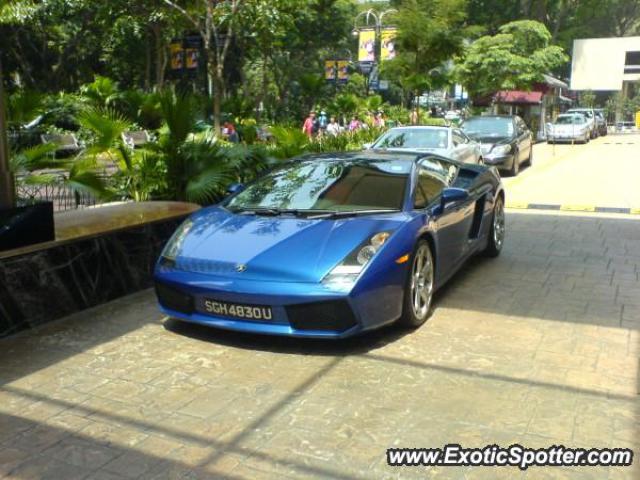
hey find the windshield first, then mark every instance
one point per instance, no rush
(570, 120)
(586, 113)
(335, 185)
(488, 127)
(414, 138)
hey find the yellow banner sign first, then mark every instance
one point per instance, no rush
(388, 41)
(343, 70)
(330, 70)
(192, 56)
(367, 46)
(177, 56)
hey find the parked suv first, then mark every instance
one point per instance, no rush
(505, 140)
(601, 122)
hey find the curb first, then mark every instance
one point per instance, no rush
(573, 208)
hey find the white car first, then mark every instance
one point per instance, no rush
(590, 115)
(449, 142)
(569, 127)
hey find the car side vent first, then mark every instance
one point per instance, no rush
(477, 217)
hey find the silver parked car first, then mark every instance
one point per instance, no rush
(569, 127)
(449, 142)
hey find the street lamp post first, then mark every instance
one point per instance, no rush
(370, 68)
(7, 186)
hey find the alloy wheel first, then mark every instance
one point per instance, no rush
(422, 282)
(498, 224)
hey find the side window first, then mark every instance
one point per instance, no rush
(457, 139)
(429, 186)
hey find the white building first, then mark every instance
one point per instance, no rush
(605, 64)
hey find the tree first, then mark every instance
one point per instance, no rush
(216, 22)
(430, 32)
(515, 58)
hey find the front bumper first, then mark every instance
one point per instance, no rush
(574, 137)
(500, 161)
(298, 309)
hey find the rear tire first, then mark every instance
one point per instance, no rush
(497, 230)
(418, 290)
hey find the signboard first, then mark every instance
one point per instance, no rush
(343, 71)
(388, 41)
(177, 56)
(330, 70)
(638, 119)
(367, 45)
(192, 55)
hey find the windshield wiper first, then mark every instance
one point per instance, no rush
(258, 211)
(350, 213)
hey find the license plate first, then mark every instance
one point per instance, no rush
(236, 310)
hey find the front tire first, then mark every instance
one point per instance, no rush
(418, 291)
(530, 159)
(515, 168)
(497, 231)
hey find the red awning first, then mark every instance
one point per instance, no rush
(519, 97)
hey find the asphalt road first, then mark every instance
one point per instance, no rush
(602, 173)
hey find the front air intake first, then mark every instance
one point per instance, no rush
(174, 299)
(334, 315)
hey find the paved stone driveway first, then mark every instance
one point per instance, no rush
(539, 347)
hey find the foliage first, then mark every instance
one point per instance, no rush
(513, 59)
(430, 32)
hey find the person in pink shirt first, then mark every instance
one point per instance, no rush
(307, 126)
(354, 124)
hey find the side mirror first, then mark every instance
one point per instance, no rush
(234, 188)
(367, 146)
(451, 195)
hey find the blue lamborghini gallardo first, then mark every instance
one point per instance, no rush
(332, 245)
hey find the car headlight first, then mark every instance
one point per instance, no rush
(346, 273)
(174, 245)
(501, 149)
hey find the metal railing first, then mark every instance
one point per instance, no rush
(57, 191)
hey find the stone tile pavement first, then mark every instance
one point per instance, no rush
(539, 347)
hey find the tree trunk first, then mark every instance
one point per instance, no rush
(217, 99)
(161, 61)
(147, 62)
(7, 185)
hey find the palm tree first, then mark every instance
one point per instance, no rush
(199, 168)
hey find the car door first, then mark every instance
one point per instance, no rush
(525, 141)
(472, 148)
(452, 223)
(460, 147)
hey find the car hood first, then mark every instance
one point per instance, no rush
(562, 128)
(279, 249)
(440, 150)
(491, 139)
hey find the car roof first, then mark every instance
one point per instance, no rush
(424, 127)
(492, 116)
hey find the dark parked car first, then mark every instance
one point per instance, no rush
(505, 140)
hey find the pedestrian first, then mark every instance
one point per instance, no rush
(414, 117)
(230, 132)
(354, 124)
(309, 123)
(322, 122)
(378, 120)
(333, 127)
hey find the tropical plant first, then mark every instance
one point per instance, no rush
(288, 142)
